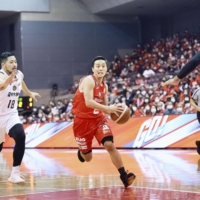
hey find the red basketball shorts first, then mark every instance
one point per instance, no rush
(86, 129)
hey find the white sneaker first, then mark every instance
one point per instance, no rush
(15, 178)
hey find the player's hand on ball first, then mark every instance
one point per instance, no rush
(123, 114)
(116, 108)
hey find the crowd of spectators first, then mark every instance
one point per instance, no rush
(54, 112)
(135, 80)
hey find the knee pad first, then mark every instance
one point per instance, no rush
(17, 132)
(107, 138)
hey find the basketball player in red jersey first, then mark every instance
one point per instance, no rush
(89, 105)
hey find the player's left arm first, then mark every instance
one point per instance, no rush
(27, 91)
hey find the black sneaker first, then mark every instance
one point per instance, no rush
(198, 146)
(80, 157)
(127, 178)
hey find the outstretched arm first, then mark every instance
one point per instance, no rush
(190, 66)
(187, 68)
(172, 81)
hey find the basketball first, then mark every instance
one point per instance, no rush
(123, 116)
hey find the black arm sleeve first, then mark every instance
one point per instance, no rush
(190, 66)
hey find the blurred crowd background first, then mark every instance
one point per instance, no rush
(135, 80)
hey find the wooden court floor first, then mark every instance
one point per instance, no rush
(57, 174)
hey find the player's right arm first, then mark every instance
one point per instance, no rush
(186, 69)
(87, 86)
(5, 81)
(172, 81)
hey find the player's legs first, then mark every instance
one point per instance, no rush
(83, 132)
(114, 154)
(15, 130)
(18, 134)
(127, 178)
(85, 156)
(104, 135)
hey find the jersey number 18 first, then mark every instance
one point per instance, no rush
(11, 104)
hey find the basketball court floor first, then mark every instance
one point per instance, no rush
(58, 174)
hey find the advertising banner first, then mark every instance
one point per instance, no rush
(169, 131)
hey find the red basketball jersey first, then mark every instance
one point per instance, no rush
(79, 107)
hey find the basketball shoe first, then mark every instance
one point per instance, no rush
(127, 178)
(15, 176)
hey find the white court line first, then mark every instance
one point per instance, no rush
(170, 190)
(53, 178)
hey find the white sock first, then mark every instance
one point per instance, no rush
(15, 169)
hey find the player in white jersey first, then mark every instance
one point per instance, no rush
(195, 103)
(11, 84)
(185, 70)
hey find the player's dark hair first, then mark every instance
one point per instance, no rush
(98, 58)
(4, 56)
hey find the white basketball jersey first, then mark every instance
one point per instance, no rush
(9, 96)
(196, 96)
